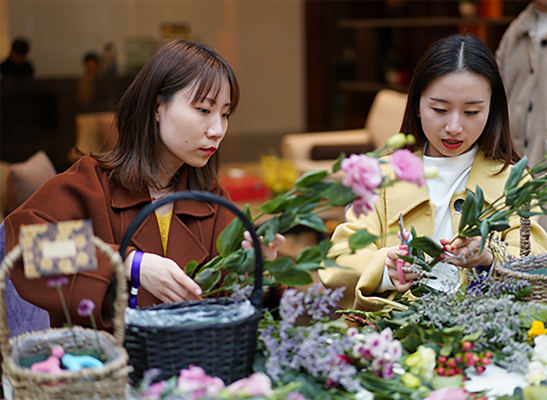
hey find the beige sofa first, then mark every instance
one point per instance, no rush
(307, 150)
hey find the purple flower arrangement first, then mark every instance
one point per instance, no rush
(324, 349)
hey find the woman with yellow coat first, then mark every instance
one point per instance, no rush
(457, 111)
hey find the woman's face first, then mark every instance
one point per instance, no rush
(191, 133)
(454, 110)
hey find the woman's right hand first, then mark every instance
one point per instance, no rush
(391, 263)
(163, 278)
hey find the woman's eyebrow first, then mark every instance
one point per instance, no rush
(446, 101)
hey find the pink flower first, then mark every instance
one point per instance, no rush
(194, 380)
(154, 391)
(57, 282)
(86, 307)
(258, 384)
(448, 393)
(363, 173)
(363, 176)
(295, 396)
(407, 166)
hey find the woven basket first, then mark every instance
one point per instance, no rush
(108, 382)
(225, 350)
(520, 268)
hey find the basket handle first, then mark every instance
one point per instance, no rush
(120, 300)
(256, 296)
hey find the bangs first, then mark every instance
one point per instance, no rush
(210, 80)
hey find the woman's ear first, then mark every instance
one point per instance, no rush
(158, 110)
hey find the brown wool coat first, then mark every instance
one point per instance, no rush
(85, 192)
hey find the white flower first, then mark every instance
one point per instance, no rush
(376, 344)
(394, 351)
(536, 372)
(387, 334)
(540, 349)
(364, 395)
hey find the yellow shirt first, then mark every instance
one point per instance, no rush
(164, 222)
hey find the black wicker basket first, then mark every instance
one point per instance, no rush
(225, 350)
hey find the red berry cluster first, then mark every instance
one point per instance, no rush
(447, 366)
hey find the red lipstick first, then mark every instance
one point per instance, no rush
(209, 150)
(452, 144)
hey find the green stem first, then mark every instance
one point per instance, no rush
(99, 347)
(67, 315)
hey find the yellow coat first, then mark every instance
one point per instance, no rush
(362, 272)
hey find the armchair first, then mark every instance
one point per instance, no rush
(318, 150)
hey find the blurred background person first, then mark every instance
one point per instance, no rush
(87, 83)
(17, 64)
(522, 58)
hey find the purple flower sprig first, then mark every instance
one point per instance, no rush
(85, 309)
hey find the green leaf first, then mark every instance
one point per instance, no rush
(309, 178)
(207, 278)
(467, 217)
(246, 262)
(230, 279)
(516, 175)
(340, 195)
(279, 265)
(230, 238)
(190, 268)
(269, 229)
(360, 239)
(309, 254)
(230, 262)
(479, 202)
(337, 165)
(439, 382)
(485, 230)
(275, 205)
(294, 277)
(312, 221)
(500, 225)
(427, 245)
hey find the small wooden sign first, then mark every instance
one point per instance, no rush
(57, 249)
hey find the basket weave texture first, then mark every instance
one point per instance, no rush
(519, 268)
(225, 350)
(108, 382)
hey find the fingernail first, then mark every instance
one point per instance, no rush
(452, 247)
(198, 292)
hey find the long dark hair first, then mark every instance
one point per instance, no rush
(456, 54)
(135, 161)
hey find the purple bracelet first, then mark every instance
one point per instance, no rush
(135, 278)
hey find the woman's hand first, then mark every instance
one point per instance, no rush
(163, 278)
(391, 263)
(270, 250)
(467, 252)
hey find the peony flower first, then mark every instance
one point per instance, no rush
(258, 384)
(154, 391)
(57, 282)
(407, 166)
(85, 308)
(448, 393)
(540, 349)
(194, 380)
(422, 362)
(535, 373)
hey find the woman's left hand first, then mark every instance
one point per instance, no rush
(467, 252)
(270, 250)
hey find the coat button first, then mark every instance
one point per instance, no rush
(530, 107)
(526, 143)
(544, 43)
(458, 205)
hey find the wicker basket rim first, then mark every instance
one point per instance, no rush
(223, 325)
